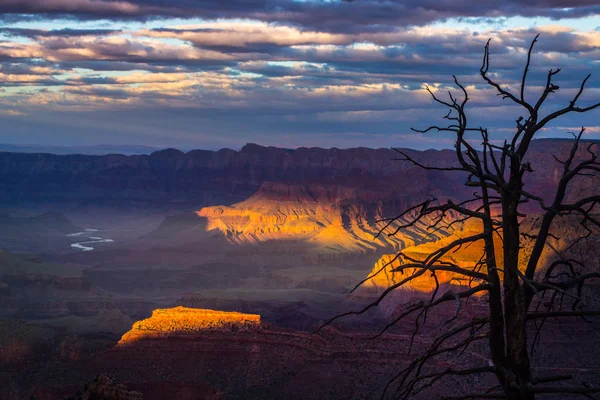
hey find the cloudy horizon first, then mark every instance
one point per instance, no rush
(213, 74)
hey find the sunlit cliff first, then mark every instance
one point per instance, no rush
(331, 218)
(383, 275)
(564, 234)
(165, 322)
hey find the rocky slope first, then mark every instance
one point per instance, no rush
(30, 288)
(35, 233)
(192, 354)
(341, 210)
(329, 218)
(562, 243)
(241, 357)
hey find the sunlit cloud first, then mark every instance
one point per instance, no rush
(11, 113)
(345, 71)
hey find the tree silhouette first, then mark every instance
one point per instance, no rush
(518, 289)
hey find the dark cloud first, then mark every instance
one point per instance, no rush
(122, 66)
(332, 16)
(35, 33)
(101, 92)
(84, 8)
(31, 67)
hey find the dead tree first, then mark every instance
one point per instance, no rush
(515, 295)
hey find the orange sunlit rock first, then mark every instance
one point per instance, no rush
(169, 321)
(467, 256)
(386, 278)
(329, 218)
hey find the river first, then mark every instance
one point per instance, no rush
(91, 238)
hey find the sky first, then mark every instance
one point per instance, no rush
(288, 73)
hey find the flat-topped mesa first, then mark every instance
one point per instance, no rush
(181, 320)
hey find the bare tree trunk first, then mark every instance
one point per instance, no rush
(514, 297)
(498, 172)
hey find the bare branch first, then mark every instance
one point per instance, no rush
(499, 173)
(526, 70)
(570, 108)
(501, 92)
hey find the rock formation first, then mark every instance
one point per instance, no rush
(178, 320)
(564, 233)
(243, 358)
(331, 199)
(327, 217)
(341, 210)
(175, 180)
(190, 358)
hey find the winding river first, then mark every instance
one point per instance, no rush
(91, 237)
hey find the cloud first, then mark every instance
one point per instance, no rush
(330, 16)
(113, 48)
(38, 33)
(75, 7)
(11, 113)
(328, 70)
(230, 34)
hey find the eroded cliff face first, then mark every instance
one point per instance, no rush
(336, 203)
(175, 180)
(264, 361)
(242, 358)
(329, 217)
(562, 243)
(182, 320)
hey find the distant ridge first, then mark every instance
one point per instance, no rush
(128, 150)
(87, 150)
(176, 180)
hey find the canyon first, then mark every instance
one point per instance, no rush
(183, 354)
(331, 200)
(277, 236)
(173, 180)
(176, 351)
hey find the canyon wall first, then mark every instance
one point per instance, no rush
(562, 243)
(171, 179)
(166, 322)
(329, 218)
(331, 199)
(261, 361)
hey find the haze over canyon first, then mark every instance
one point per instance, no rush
(279, 236)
